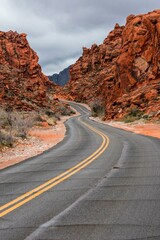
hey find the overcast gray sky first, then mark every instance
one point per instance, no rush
(58, 29)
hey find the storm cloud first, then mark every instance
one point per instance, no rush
(58, 29)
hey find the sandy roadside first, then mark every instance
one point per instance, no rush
(140, 127)
(40, 139)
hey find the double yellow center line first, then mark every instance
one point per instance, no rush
(28, 196)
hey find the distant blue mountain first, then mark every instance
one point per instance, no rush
(61, 78)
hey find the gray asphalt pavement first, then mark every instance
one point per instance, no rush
(115, 197)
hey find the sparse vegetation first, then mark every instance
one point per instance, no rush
(133, 115)
(65, 111)
(16, 124)
(97, 108)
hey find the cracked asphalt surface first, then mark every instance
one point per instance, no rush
(116, 197)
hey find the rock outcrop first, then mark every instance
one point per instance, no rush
(124, 71)
(22, 84)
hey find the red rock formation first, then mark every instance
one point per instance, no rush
(124, 71)
(22, 83)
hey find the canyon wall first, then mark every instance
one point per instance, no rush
(123, 73)
(22, 84)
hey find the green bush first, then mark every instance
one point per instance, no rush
(133, 115)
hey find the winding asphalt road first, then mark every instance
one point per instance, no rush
(99, 183)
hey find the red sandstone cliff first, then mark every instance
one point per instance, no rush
(22, 83)
(124, 71)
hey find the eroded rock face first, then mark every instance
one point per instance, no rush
(22, 83)
(124, 71)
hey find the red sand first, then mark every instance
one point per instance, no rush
(149, 129)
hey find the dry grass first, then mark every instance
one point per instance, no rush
(16, 124)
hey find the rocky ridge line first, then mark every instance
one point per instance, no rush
(123, 73)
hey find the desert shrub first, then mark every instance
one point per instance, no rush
(6, 139)
(38, 117)
(3, 118)
(51, 121)
(14, 124)
(133, 115)
(50, 113)
(22, 122)
(65, 111)
(97, 108)
(146, 117)
(47, 116)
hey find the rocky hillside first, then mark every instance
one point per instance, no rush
(61, 78)
(123, 73)
(22, 84)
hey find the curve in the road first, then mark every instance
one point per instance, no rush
(28, 196)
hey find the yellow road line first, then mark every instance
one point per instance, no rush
(54, 181)
(50, 181)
